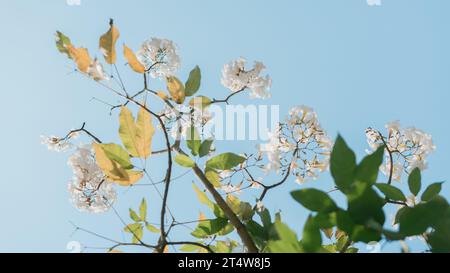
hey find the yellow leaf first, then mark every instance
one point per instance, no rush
(127, 131)
(115, 251)
(107, 43)
(201, 217)
(213, 177)
(113, 170)
(80, 56)
(136, 136)
(132, 60)
(162, 95)
(166, 249)
(176, 89)
(144, 133)
(132, 178)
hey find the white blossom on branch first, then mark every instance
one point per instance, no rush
(236, 78)
(409, 148)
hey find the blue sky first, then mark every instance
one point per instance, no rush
(356, 65)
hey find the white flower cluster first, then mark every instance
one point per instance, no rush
(58, 144)
(409, 147)
(89, 190)
(179, 118)
(236, 78)
(301, 138)
(160, 57)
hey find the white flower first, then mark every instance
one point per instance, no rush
(259, 206)
(96, 72)
(374, 2)
(179, 118)
(302, 139)
(89, 190)
(56, 144)
(160, 57)
(409, 148)
(228, 189)
(236, 78)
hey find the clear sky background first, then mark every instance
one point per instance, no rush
(356, 65)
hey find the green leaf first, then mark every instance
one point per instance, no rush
(189, 248)
(344, 222)
(391, 192)
(415, 181)
(286, 242)
(431, 191)
(137, 234)
(205, 147)
(225, 161)
(62, 41)
(367, 171)
(342, 164)
(312, 239)
(209, 227)
(136, 229)
(314, 200)
(116, 153)
(399, 213)
(152, 228)
(325, 220)
(193, 140)
(203, 198)
(193, 83)
(131, 227)
(265, 218)
(364, 204)
(213, 177)
(143, 210)
(416, 220)
(184, 161)
(134, 216)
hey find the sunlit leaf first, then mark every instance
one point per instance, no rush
(107, 44)
(151, 228)
(143, 210)
(136, 137)
(184, 161)
(225, 161)
(132, 60)
(118, 154)
(81, 57)
(134, 216)
(176, 89)
(213, 177)
(144, 133)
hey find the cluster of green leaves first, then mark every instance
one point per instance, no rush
(363, 220)
(136, 229)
